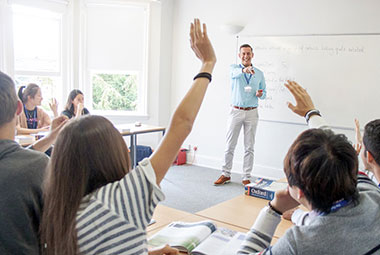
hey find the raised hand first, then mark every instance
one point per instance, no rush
(79, 110)
(358, 137)
(303, 99)
(53, 104)
(184, 116)
(200, 43)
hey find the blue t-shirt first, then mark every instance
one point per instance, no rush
(239, 80)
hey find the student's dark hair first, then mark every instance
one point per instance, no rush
(371, 139)
(88, 154)
(31, 90)
(246, 46)
(324, 166)
(8, 99)
(69, 104)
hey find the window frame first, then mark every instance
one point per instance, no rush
(86, 73)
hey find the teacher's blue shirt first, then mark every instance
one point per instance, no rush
(239, 80)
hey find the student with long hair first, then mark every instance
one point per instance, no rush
(74, 105)
(33, 119)
(93, 202)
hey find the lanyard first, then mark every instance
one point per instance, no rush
(32, 122)
(337, 205)
(247, 78)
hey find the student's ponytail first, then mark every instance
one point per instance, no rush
(30, 91)
(20, 93)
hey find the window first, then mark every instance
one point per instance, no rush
(104, 54)
(37, 50)
(116, 53)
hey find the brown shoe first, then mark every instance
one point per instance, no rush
(222, 180)
(245, 182)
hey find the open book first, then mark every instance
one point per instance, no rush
(202, 238)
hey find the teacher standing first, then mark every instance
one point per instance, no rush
(247, 86)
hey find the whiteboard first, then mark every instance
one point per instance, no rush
(340, 72)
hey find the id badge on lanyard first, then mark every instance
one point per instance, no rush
(248, 78)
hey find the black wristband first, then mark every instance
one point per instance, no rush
(274, 209)
(203, 75)
(311, 113)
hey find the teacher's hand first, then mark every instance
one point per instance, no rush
(249, 70)
(303, 99)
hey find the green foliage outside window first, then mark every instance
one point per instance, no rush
(114, 92)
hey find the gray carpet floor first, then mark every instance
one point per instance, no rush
(191, 188)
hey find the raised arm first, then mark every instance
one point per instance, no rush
(184, 116)
(44, 143)
(358, 137)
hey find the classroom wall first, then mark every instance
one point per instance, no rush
(259, 17)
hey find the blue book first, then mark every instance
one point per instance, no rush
(264, 188)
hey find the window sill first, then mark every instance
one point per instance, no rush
(122, 114)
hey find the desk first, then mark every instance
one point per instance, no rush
(164, 215)
(242, 211)
(25, 140)
(132, 131)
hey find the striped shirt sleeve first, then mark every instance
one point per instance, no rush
(260, 235)
(113, 220)
(135, 196)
